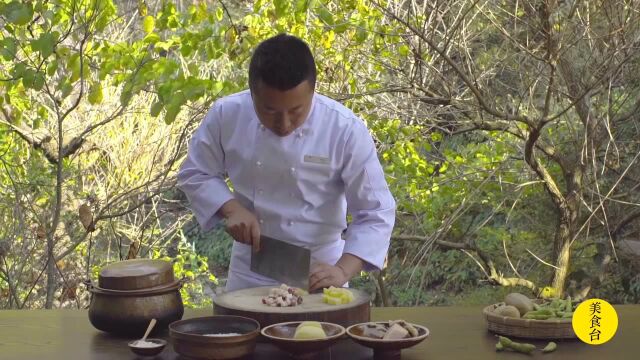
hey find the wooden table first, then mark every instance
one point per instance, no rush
(456, 333)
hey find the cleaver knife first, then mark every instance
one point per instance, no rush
(283, 262)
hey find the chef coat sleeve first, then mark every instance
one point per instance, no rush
(202, 175)
(369, 200)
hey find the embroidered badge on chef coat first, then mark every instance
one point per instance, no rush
(314, 159)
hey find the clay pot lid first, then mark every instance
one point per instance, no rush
(136, 274)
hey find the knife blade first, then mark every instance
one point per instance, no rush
(281, 261)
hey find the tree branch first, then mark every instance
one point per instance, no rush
(579, 101)
(102, 216)
(548, 150)
(541, 171)
(493, 276)
(470, 84)
(550, 58)
(635, 109)
(418, 238)
(7, 277)
(624, 222)
(39, 140)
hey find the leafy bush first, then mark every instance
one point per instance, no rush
(194, 269)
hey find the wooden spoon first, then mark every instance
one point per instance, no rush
(149, 328)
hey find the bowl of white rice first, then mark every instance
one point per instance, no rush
(214, 337)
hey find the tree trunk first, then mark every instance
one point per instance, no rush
(562, 250)
(51, 273)
(384, 295)
(51, 235)
(564, 234)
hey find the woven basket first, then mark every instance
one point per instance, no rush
(528, 328)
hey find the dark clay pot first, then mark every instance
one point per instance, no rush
(129, 304)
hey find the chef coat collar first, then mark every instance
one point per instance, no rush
(304, 129)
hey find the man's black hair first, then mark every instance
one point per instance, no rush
(282, 62)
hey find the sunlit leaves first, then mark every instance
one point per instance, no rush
(32, 79)
(148, 24)
(8, 48)
(155, 109)
(325, 15)
(95, 95)
(301, 6)
(151, 38)
(361, 32)
(18, 70)
(77, 67)
(257, 5)
(172, 110)
(281, 7)
(17, 12)
(403, 50)
(142, 8)
(219, 14)
(65, 89)
(45, 44)
(52, 68)
(328, 39)
(168, 17)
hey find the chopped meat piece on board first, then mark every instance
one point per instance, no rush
(282, 296)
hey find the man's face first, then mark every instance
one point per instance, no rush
(282, 111)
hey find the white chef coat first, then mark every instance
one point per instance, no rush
(300, 187)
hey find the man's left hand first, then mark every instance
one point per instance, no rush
(325, 275)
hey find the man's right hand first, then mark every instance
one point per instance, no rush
(242, 225)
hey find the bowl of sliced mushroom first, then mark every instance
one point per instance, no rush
(387, 338)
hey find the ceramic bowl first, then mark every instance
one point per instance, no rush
(385, 349)
(281, 335)
(148, 351)
(214, 337)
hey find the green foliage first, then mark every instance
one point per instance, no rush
(45, 44)
(149, 24)
(66, 69)
(365, 282)
(443, 273)
(16, 12)
(194, 269)
(172, 60)
(215, 245)
(95, 94)
(483, 295)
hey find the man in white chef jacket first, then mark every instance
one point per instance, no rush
(299, 162)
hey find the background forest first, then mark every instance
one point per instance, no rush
(509, 132)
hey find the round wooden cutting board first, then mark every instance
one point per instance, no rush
(248, 303)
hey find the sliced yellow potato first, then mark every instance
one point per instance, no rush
(332, 291)
(310, 323)
(309, 332)
(347, 296)
(331, 300)
(337, 296)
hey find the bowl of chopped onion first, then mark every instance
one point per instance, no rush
(214, 337)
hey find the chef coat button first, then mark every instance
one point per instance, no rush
(289, 222)
(258, 164)
(292, 170)
(262, 128)
(260, 191)
(261, 221)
